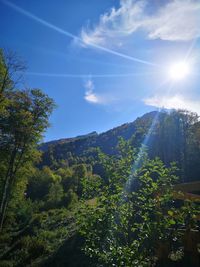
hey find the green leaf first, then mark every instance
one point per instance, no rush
(170, 213)
(172, 222)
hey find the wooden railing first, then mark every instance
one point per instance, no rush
(190, 191)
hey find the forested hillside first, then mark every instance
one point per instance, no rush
(169, 135)
(97, 200)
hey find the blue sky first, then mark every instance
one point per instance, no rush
(105, 62)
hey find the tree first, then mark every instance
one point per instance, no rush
(173, 139)
(23, 118)
(91, 186)
(22, 122)
(39, 184)
(55, 195)
(128, 228)
(11, 69)
(80, 171)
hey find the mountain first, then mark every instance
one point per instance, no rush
(170, 135)
(45, 146)
(106, 141)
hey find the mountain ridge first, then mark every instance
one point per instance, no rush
(43, 146)
(165, 134)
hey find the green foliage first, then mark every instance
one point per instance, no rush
(46, 233)
(55, 195)
(39, 184)
(91, 186)
(128, 228)
(22, 123)
(71, 199)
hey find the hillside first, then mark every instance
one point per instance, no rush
(107, 141)
(165, 134)
(63, 207)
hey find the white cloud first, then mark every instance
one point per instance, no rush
(90, 95)
(178, 20)
(174, 102)
(89, 85)
(116, 23)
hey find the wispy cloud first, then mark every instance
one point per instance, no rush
(174, 102)
(90, 95)
(178, 20)
(116, 23)
(76, 39)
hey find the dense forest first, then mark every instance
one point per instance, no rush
(106, 199)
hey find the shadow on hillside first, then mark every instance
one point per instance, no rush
(69, 255)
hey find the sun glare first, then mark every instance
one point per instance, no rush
(179, 70)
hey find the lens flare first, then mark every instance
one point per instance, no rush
(179, 71)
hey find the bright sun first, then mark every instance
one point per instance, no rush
(179, 70)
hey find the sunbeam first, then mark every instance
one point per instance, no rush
(141, 154)
(191, 47)
(66, 33)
